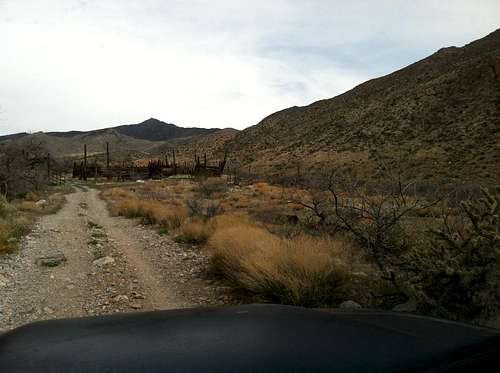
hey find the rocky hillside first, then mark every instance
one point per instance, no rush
(440, 117)
(213, 145)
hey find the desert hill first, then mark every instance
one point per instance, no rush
(440, 115)
(151, 138)
(212, 144)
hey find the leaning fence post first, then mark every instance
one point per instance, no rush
(48, 168)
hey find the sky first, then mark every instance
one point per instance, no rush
(81, 65)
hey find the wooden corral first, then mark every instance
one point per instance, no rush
(155, 169)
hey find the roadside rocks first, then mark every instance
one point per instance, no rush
(101, 262)
(120, 298)
(3, 281)
(51, 260)
(99, 240)
(350, 304)
(410, 306)
(135, 306)
(48, 310)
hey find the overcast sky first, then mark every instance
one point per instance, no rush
(75, 64)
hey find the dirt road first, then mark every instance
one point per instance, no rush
(107, 265)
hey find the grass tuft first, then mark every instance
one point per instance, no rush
(303, 271)
(195, 232)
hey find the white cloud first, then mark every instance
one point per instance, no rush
(87, 64)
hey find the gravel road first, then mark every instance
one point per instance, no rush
(82, 261)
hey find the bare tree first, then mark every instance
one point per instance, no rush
(22, 168)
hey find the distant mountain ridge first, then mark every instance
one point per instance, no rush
(146, 139)
(151, 129)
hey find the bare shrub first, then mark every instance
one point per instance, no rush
(203, 208)
(22, 169)
(374, 215)
(212, 186)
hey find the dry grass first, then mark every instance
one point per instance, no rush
(29, 206)
(12, 226)
(195, 231)
(119, 193)
(153, 212)
(303, 271)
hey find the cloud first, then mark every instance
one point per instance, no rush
(88, 64)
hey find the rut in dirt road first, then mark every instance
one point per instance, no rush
(112, 265)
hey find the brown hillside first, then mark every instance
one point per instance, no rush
(212, 145)
(443, 110)
(136, 145)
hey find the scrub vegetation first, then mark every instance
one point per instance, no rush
(17, 215)
(322, 242)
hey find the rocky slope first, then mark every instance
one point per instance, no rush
(439, 117)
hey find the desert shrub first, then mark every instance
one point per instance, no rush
(458, 277)
(119, 193)
(212, 186)
(31, 196)
(6, 209)
(12, 226)
(152, 212)
(195, 232)
(129, 208)
(19, 227)
(270, 214)
(203, 208)
(29, 206)
(303, 271)
(22, 168)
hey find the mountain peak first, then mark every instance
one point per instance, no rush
(154, 121)
(156, 130)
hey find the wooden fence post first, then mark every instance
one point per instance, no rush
(48, 168)
(175, 164)
(85, 162)
(107, 159)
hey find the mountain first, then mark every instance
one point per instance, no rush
(151, 129)
(439, 118)
(14, 136)
(155, 130)
(149, 139)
